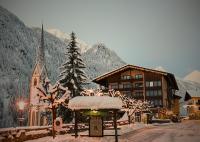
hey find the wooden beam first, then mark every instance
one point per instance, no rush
(76, 124)
(115, 125)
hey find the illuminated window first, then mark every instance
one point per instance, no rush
(151, 83)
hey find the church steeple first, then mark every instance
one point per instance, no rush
(40, 50)
(37, 78)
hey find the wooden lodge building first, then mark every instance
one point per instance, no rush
(158, 87)
(192, 97)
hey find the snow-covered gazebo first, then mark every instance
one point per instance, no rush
(95, 104)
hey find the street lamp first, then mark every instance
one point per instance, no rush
(21, 106)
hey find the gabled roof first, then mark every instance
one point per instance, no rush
(191, 94)
(170, 76)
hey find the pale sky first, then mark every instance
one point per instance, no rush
(147, 33)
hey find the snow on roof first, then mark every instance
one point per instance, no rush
(95, 103)
(125, 67)
(170, 76)
(194, 93)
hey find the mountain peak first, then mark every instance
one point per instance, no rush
(64, 36)
(193, 76)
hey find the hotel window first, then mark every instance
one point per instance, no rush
(159, 83)
(126, 77)
(120, 86)
(113, 86)
(147, 93)
(138, 76)
(127, 85)
(151, 93)
(157, 102)
(147, 83)
(138, 85)
(139, 94)
(155, 93)
(151, 83)
(159, 93)
(155, 83)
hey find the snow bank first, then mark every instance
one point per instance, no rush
(95, 103)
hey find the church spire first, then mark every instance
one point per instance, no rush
(40, 52)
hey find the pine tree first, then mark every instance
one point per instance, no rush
(72, 74)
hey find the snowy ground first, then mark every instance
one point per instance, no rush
(68, 138)
(188, 131)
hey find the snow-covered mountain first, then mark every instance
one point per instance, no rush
(99, 59)
(66, 37)
(193, 76)
(18, 44)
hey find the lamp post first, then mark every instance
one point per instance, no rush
(21, 105)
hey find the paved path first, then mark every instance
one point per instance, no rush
(188, 131)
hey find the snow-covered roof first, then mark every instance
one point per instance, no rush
(126, 67)
(95, 103)
(170, 76)
(194, 93)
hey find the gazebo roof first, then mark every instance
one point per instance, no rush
(94, 103)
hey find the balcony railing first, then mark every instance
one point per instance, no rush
(138, 88)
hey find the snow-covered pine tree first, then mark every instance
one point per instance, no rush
(72, 74)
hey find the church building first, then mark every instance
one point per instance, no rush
(38, 75)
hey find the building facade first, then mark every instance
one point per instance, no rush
(192, 98)
(39, 74)
(144, 84)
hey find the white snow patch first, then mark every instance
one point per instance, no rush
(64, 36)
(95, 102)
